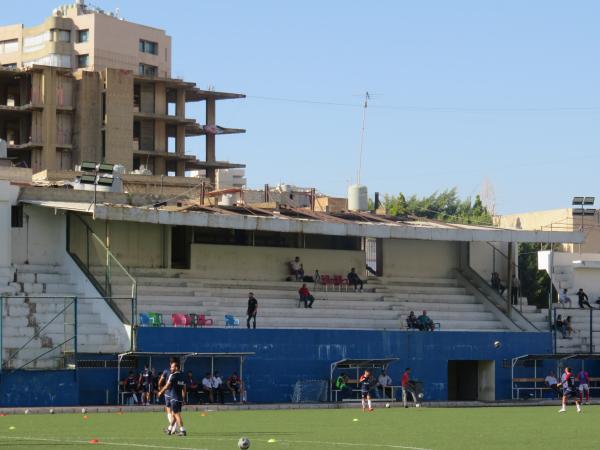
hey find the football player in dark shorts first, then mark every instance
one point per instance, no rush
(175, 387)
(147, 384)
(161, 382)
(365, 382)
(569, 391)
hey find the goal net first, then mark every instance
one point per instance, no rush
(310, 391)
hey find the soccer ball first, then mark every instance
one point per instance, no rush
(244, 443)
(26, 411)
(497, 344)
(421, 395)
(418, 405)
(83, 410)
(51, 411)
(387, 405)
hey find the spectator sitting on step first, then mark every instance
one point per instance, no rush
(560, 326)
(297, 269)
(563, 298)
(354, 280)
(411, 321)
(569, 327)
(425, 323)
(496, 283)
(552, 383)
(207, 386)
(305, 297)
(583, 299)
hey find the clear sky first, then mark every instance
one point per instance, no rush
(464, 91)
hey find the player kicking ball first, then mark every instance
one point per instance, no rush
(175, 390)
(365, 387)
(568, 387)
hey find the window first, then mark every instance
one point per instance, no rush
(9, 46)
(52, 59)
(16, 216)
(83, 61)
(83, 36)
(148, 70)
(62, 35)
(35, 43)
(148, 47)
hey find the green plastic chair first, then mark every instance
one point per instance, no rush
(156, 319)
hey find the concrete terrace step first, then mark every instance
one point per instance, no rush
(420, 281)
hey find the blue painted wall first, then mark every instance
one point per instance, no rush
(39, 388)
(285, 356)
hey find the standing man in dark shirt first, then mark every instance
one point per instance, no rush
(146, 382)
(366, 382)
(252, 309)
(175, 390)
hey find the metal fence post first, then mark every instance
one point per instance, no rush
(591, 330)
(553, 325)
(1, 334)
(75, 331)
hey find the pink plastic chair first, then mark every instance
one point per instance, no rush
(203, 321)
(180, 320)
(340, 281)
(326, 281)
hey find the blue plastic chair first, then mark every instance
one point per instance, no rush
(231, 321)
(144, 320)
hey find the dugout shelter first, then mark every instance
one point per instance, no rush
(356, 366)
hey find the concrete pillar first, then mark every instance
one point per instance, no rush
(5, 222)
(180, 105)
(509, 272)
(210, 138)
(49, 120)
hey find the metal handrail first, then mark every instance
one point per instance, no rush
(97, 283)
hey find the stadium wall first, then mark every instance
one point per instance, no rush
(39, 388)
(286, 356)
(419, 258)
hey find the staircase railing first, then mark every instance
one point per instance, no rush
(100, 266)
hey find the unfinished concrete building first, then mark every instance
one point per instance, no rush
(87, 85)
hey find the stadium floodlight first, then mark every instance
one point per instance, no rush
(87, 179)
(589, 212)
(105, 168)
(589, 200)
(105, 181)
(88, 166)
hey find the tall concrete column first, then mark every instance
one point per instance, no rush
(49, 120)
(210, 138)
(180, 105)
(5, 222)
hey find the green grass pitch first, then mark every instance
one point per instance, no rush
(528, 428)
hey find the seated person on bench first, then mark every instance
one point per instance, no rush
(354, 280)
(234, 384)
(425, 323)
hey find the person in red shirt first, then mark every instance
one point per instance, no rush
(305, 297)
(407, 387)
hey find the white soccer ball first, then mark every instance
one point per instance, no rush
(418, 405)
(83, 410)
(51, 411)
(26, 411)
(387, 405)
(421, 395)
(497, 344)
(244, 443)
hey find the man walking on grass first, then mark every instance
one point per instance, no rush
(175, 388)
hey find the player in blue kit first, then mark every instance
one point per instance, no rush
(568, 387)
(365, 382)
(146, 382)
(161, 382)
(174, 389)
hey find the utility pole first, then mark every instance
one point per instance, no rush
(362, 136)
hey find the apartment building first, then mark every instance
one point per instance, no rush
(87, 85)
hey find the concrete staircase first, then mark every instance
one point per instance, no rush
(580, 319)
(383, 305)
(38, 293)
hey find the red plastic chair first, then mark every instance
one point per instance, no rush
(326, 281)
(203, 321)
(339, 281)
(180, 320)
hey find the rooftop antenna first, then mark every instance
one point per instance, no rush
(362, 136)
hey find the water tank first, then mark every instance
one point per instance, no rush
(226, 200)
(358, 198)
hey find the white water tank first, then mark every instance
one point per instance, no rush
(358, 198)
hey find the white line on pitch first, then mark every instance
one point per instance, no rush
(352, 444)
(117, 444)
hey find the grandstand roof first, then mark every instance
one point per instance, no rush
(298, 220)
